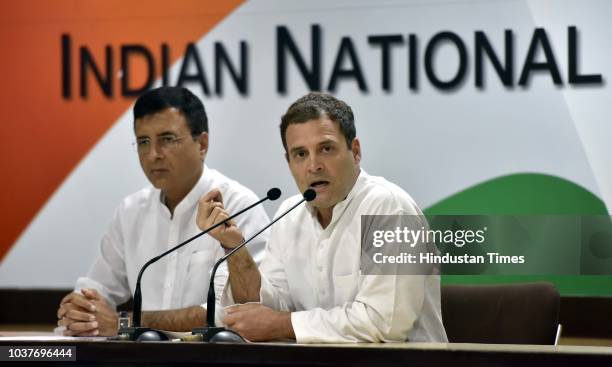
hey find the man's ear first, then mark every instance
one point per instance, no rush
(356, 150)
(203, 141)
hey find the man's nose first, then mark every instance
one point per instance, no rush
(315, 164)
(155, 152)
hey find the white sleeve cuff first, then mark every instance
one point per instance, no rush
(298, 320)
(266, 296)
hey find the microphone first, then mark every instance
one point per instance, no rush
(136, 332)
(211, 333)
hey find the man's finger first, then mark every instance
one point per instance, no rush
(206, 205)
(91, 294)
(214, 216)
(241, 308)
(61, 312)
(64, 321)
(229, 320)
(212, 195)
(244, 307)
(80, 301)
(94, 332)
(82, 326)
(221, 217)
(218, 197)
(80, 316)
(67, 298)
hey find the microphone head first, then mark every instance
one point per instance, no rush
(274, 193)
(309, 195)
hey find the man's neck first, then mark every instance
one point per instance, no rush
(173, 199)
(324, 216)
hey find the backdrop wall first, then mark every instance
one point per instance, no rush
(487, 107)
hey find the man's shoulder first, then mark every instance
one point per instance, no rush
(297, 213)
(237, 197)
(139, 199)
(292, 200)
(231, 189)
(378, 192)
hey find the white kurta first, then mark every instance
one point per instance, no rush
(142, 228)
(315, 274)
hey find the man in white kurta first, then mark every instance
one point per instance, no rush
(310, 285)
(314, 272)
(171, 131)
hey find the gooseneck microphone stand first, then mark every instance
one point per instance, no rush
(215, 334)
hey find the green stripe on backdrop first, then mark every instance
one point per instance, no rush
(528, 194)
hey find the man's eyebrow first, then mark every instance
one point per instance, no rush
(166, 133)
(293, 150)
(323, 142)
(326, 141)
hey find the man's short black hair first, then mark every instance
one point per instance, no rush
(315, 105)
(159, 99)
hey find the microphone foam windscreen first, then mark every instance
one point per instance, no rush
(310, 195)
(274, 193)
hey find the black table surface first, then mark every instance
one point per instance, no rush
(101, 352)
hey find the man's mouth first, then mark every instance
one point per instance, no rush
(157, 171)
(319, 184)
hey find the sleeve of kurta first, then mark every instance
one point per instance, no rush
(384, 310)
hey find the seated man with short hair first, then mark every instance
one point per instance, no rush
(310, 284)
(171, 129)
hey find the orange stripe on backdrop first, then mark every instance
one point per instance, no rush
(45, 136)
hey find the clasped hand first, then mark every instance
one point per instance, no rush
(87, 314)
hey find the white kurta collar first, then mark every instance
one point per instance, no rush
(202, 186)
(341, 206)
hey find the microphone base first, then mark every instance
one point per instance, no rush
(218, 334)
(141, 334)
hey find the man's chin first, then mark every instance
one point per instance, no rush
(323, 202)
(158, 183)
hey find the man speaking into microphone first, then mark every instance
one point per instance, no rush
(309, 285)
(171, 131)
